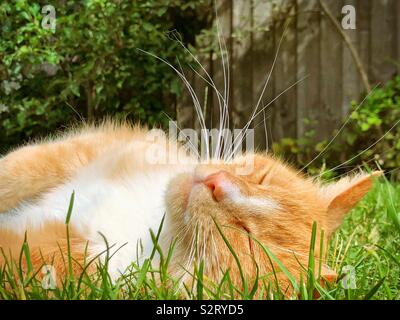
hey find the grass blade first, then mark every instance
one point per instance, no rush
(375, 289)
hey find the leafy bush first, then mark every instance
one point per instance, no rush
(90, 65)
(372, 122)
(372, 136)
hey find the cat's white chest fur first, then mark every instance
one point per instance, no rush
(122, 210)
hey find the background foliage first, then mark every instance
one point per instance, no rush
(371, 136)
(90, 66)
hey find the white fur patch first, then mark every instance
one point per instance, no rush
(122, 210)
(251, 202)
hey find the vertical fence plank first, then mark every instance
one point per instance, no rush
(262, 57)
(351, 77)
(382, 40)
(311, 48)
(241, 71)
(308, 62)
(331, 72)
(397, 40)
(364, 35)
(284, 109)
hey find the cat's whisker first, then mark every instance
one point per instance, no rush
(195, 252)
(222, 107)
(221, 99)
(192, 243)
(212, 85)
(362, 152)
(203, 131)
(215, 251)
(393, 170)
(224, 119)
(181, 234)
(227, 92)
(263, 122)
(350, 172)
(190, 254)
(192, 147)
(195, 99)
(266, 132)
(340, 130)
(242, 133)
(280, 94)
(81, 118)
(204, 245)
(197, 244)
(253, 115)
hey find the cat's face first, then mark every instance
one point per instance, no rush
(270, 206)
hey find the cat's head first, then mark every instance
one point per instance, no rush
(272, 205)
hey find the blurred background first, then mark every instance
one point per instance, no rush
(90, 67)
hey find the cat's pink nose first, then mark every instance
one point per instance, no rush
(215, 182)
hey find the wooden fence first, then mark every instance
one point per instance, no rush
(313, 52)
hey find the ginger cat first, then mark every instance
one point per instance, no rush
(121, 195)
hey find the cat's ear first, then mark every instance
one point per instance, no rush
(343, 195)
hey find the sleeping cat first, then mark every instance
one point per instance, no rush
(120, 195)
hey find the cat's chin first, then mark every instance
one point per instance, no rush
(185, 198)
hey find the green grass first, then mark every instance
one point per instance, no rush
(368, 244)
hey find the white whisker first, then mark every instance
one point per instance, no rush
(191, 91)
(266, 131)
(362, 152)
(242, 135)
(253, 115)
(340, 130)
(224, 118)
(192, 147)
(221, 99)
